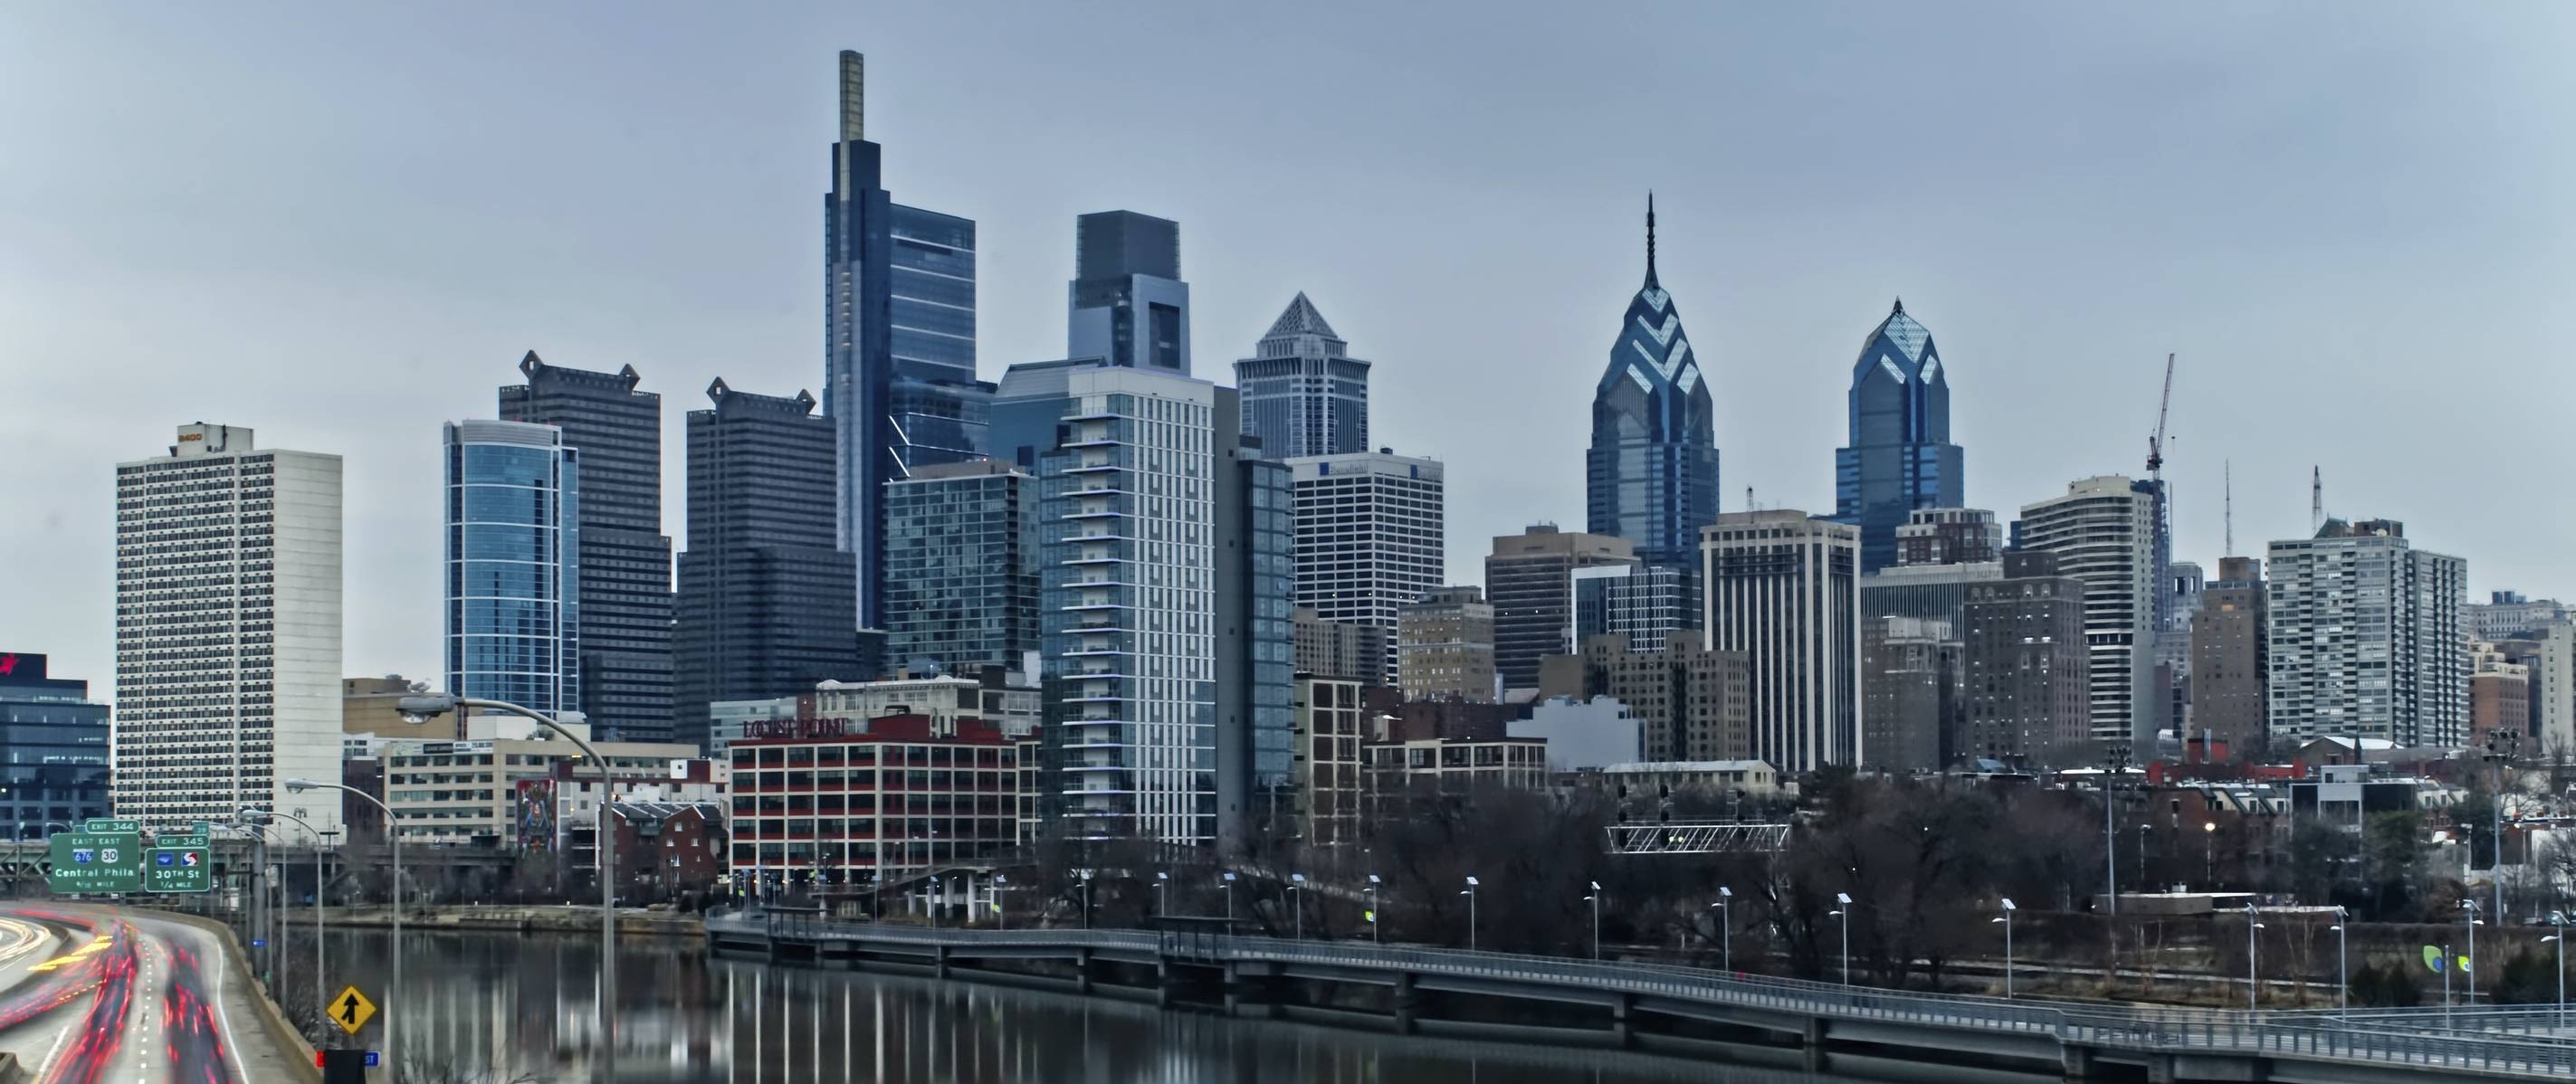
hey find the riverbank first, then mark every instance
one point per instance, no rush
(631, 922)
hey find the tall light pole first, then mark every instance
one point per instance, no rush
(1470, 893)
(393, 831)
(2115, 760)
(2253, 985)
(2343, 961)
(2501, 747)
(1162, 893)
(2209, 856)
(1844, 913)
(2558, 921)
(321, 999)
(2469, 919)
(1595, 899)
(1725, 928)
(2006, 919)
(426, 706)
(1377, 928)
(1229, 901)
(1296, 903)
(1001, 915)
(1086, 897)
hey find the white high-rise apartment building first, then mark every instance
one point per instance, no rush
(2366, 638)
(2103, 532)
(227, 630)
(1784, 588)
(1372, 538)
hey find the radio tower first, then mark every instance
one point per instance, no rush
(2316, 500)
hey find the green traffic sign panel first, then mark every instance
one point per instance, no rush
(112, 826)
(174, 839)
(95, 862)
(179, 869)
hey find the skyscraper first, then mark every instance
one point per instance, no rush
(2028, 690)
(1651, 474)
(2228, 658)
(1900, 457)
(1303, 394)
(1129, 306)
(1911, 689)
(227, 629)
(1784, 589)
(962, 566)
(2104, 532)
(1643, 603)
(1372, 538)
(2366, 638)
(1529, 582)
(1166, 571)
(1445, 646)
(898, 339)
(53, 749)
(765, 596)
(624, 593)
(513, 565)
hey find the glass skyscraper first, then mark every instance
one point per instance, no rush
(1128, 305)
(624, 592)
(513, 545)
(1303, 394)
(53, 748)
(1652, 471)
(962, 566)
(899, 339)
(1900, 458)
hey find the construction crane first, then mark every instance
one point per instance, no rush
(2156, 443)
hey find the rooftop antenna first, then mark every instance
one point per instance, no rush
(2316, 500)
(2227, 479)
(1650, 233)
(1748, 500)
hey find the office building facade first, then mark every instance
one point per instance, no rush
(1372, 538)
(2508, 615)
(1529, 581)
(1339, 649)
(623, 592)
(2229, 658)
(1911, 691)
(1900, 458)
(1326, 768)
(2026, 683)
(898, 340)
(227, 629)
(53, 748)
(1783, 588)
(1445, 647)
(2105, 531)
(1949, 536)
(765, 592)
(1128, 306)
(1644, 603)
(513, 565)
(1651, 475)
(1689, 703)
(2366, 638)
(961, 555)
(1303, 394)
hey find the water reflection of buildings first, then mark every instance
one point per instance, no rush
(527, 1003)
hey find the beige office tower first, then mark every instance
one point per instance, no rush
(1445, 647)
(227, 630)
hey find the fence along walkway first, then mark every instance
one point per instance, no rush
(2417, 1037)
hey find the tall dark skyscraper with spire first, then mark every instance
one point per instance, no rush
(898, 339)
(1652, 472)
(1900, 457)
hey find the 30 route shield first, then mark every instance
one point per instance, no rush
(91, 862)
(351, 1010)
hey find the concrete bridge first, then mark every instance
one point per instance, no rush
(1691, 1011)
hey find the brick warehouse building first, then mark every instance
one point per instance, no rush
(830, 805)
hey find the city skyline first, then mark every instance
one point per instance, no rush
(343, 335)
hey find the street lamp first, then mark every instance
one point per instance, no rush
(426, 706)
(393, 1022)
(1229, 901)
(1377, 929)
(2006, 919)
(1086, 897)
(1162, 893)
(2115, 760)
(2501, 747)
(2469, 918)
(1470, 893)
(2343, 961)
(1001, 916)
(2209, 856)
(1297, 881)
(2253, 986)
(321, 1000)
(1595, 898)
(1725, 928)
(2558, 921)
(1844, 913)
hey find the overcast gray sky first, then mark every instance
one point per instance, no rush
(342, 225)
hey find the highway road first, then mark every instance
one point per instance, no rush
(91, 994)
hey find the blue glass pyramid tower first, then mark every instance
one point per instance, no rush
(1900, 457)
(1651, 474)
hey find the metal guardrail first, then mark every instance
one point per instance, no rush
(2416, 1037)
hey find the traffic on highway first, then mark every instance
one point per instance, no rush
(90, 995)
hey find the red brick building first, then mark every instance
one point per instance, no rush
(832, 804)
(664, 849)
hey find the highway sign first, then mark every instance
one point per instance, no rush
(351, 1010)
(112, 826)
(95, 862)
(175, 839)
(179, 869)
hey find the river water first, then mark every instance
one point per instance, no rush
(519, 1009)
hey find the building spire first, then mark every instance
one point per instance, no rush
(1650, 235)
(854, 97)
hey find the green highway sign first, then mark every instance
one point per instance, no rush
(179, 869)
(112, 826)
(174, 839)
(87, 862)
